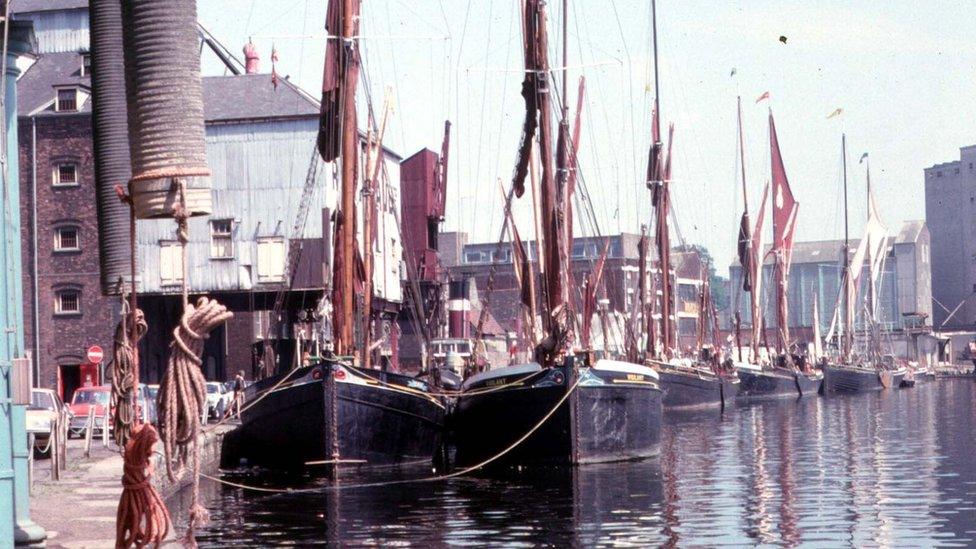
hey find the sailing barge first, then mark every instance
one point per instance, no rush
(784, 377)
(334, 411)
(562, 408)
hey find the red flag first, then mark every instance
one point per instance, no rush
(274, 69)
(784, 205)
(765, 95)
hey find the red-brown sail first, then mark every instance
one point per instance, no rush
(784, 222)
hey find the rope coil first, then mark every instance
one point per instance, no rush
(142, 518)
(183, 398)
(122, 372)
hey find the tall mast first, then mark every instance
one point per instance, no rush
(350, 153)
(848, 321)
(660, 187)
(742, 160)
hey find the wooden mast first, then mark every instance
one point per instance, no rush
(744, 226)
(350, 155)
(848, 320)
(660, 187)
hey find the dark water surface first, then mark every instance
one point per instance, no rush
(892, 468)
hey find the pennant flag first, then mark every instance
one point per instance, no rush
(733, 72)
(863, 156)
(837, 112)
(765, 95)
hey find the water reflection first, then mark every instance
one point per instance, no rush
(893, 468)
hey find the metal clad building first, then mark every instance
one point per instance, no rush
(60, 25)
(950, 213)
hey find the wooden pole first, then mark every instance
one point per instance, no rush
(350, 155)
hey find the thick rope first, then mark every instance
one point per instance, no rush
(142, 518)
(183, 398)
(122, 373)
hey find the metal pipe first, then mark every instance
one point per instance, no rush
(37, 315)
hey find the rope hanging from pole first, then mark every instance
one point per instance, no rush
(122, 371)
(142, 518)
(183, 390)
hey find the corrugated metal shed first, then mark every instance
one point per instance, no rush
(60, 25)
(259, 169)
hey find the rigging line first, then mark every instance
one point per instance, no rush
(301, 52)
(280, 15)
(250, 12)
(501, 117)
(396, 89)
(461, 122)
(630, 92)
(481, 126)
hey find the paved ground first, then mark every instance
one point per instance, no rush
(79, 510)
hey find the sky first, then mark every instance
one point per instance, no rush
(903, 73)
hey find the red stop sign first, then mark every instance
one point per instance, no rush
(95, 354)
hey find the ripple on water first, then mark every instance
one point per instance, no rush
(891, 468)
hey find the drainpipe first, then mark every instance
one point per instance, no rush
(37, 313)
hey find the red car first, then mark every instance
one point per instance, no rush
(82, 401)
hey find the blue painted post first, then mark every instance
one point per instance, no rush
(15, 520)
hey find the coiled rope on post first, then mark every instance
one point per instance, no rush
(122, 371)
(142, 518)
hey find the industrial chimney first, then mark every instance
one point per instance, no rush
(252, 61)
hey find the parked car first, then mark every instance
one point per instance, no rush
(44, 409)
(147, 405)
(218, 399)
(86, 398)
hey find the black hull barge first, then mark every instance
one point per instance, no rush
(334, 413)
(843, 378)
(694, 388)
(614, 414)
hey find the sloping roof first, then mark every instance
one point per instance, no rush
(27, 6)
(253, 97)
(225, 98)
(36, 87)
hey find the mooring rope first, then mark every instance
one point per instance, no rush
(142, 518)
(122, 371)
(458, 473)
(182, 397)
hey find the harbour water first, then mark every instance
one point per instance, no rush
(891, 468)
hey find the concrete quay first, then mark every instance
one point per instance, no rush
(79, 510)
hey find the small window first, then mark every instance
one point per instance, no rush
(65, 175)
(66, 239)
(271, 259)
(955, 171)
(938, 173)
(67, 100)
(221, 240)
(579, 250)
(170, 263)
(472, 257)
(67, 302)
(85, 64)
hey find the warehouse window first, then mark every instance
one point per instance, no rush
(271, 259)
(170, 263)
(85, 64)
(67, 100)
(67, 302)
(221, 240)
(65, 175)
(66, 239)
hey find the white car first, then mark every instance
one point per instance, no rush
(44, 408)
(217, 399)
